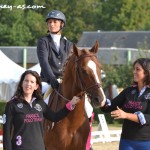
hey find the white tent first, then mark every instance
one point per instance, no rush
(36, 68)
(10, 73)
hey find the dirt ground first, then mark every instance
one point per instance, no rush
(105, 146)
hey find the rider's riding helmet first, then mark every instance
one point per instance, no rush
(56, 14)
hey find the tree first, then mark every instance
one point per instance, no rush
(125, 15)
(119, 75)
(21, 26)
(13, 27)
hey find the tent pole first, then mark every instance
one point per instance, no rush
(129, 57)
(25, 58)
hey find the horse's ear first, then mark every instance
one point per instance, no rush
(76, 51)
(94, 49)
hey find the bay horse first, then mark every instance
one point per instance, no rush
(82, 74)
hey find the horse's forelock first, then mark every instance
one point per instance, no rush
(85, 51)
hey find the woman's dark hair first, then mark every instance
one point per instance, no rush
(37, 93)
(145, 63)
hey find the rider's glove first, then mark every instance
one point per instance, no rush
(54, 83)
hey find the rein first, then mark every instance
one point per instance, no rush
(64, 97)
(61, 95)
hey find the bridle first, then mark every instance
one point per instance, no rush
(77, 67)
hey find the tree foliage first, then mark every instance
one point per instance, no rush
(122, 76)
(21, 26)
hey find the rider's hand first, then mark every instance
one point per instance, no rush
(54, 83)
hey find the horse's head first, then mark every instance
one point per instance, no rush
(88, 74)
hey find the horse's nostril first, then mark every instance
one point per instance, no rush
(97, 99)
(98, 85)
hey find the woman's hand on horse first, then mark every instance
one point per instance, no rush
(75, 100)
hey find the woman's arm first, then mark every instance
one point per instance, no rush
(43, 54)
(57, 116)
(111, 105)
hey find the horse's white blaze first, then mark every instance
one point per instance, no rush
(91, 64)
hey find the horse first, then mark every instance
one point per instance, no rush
(82, 74)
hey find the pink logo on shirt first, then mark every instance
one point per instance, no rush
(29, 118)
(133, 105)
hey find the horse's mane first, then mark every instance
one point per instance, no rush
(66, 62)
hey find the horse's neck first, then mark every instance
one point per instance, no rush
(69, 89)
